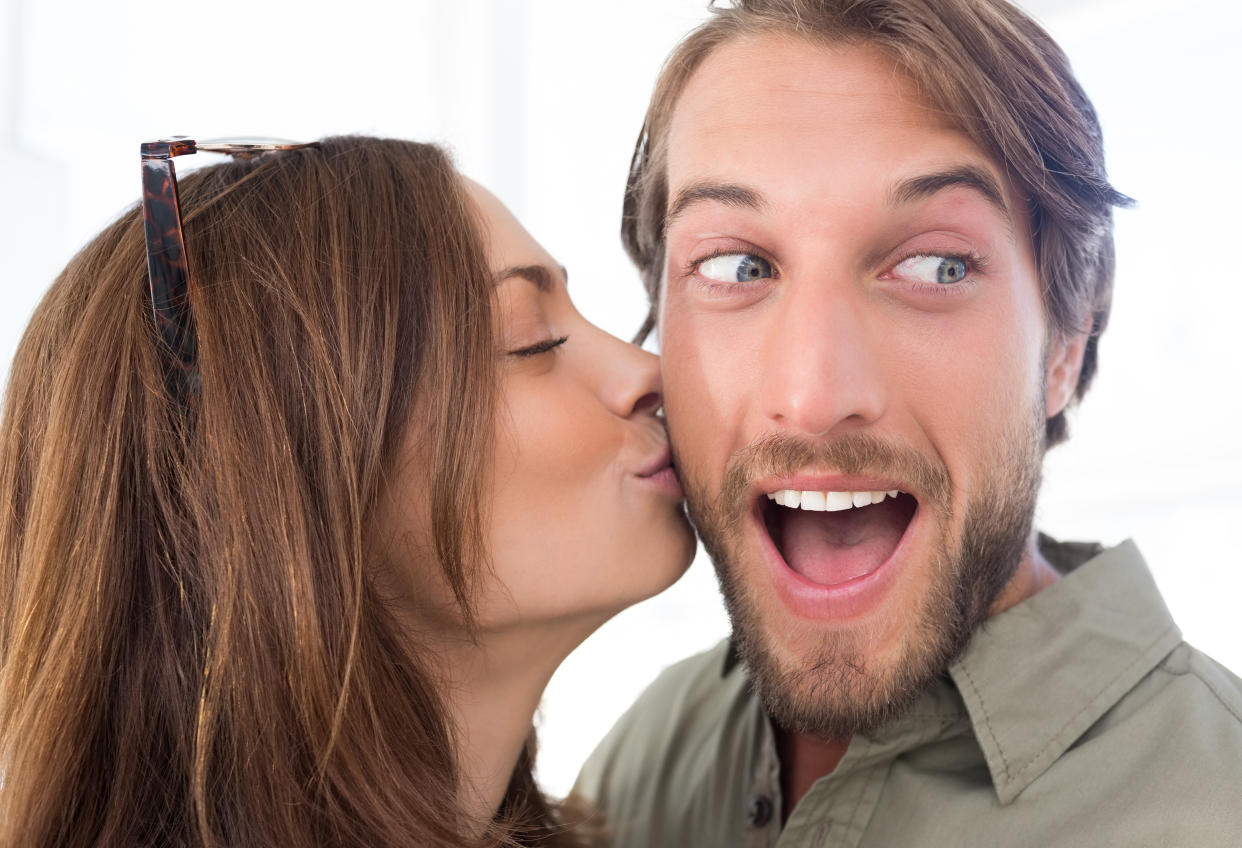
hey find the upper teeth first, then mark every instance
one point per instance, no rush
(828, 501)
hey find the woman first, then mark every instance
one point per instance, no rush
(305, 584)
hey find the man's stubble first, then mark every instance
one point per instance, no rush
(839, 690)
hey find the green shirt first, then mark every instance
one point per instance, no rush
(1078, 717)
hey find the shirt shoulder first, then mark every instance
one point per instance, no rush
(672, 762)
(1209, 681)
(1197, 702)
(1169, 754)
(1201, 702)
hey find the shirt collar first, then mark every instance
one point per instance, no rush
(1038, 675)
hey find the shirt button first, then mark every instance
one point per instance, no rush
(759, 811)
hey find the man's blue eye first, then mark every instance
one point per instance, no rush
(736, 268)
(950, 270)
(943, 270)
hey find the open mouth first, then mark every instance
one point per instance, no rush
(833, 537)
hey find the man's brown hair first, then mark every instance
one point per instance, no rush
(996, 73)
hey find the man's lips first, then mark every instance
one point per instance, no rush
(833, 544)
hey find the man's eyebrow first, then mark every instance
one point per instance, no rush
(908, 190)
(729, 194)
(537, 274)
(964, 176)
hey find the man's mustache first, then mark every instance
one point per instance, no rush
(855, 454)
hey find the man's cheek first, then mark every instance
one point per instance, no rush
(693, 407)
(706, 370)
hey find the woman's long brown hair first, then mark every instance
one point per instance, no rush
(193, 650)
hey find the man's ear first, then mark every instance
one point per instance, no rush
(1061, 369)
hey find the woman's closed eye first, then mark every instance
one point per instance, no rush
(545, 346)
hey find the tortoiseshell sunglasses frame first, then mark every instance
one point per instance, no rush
(167, 268)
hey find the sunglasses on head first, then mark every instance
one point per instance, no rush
(167, 268)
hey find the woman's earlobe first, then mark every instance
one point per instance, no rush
(1061, 369)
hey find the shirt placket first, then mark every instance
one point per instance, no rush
(763, 801)
(836, 810)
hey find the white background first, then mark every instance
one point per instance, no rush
(541, 101)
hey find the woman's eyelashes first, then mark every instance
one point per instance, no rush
(544, 346)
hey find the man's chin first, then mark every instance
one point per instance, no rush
(833, 677)
(836, 683)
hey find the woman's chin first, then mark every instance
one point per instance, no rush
(670, 550)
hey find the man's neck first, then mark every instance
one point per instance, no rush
(805, 758)
(1034, 574)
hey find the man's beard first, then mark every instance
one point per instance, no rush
(837, 690)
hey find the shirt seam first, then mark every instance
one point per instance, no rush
(1215, 692)
(862, 794)
(1056, 736)
(878, 775)
(943, 717)
(987, 719)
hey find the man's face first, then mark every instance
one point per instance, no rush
(851, 312)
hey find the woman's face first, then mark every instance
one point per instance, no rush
(585, 513)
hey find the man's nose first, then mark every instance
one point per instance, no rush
(822, 369)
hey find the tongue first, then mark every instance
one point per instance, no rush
(832, 547)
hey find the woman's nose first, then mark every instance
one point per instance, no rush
(632, 383)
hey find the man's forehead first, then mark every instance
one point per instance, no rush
(750, 77)
(774, 116)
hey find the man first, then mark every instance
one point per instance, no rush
(878, 241)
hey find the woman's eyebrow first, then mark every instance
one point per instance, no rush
(539, 275)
